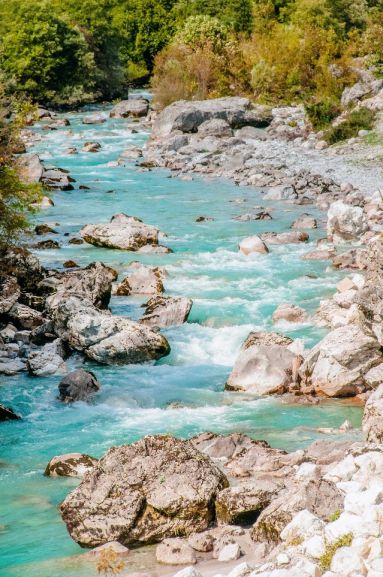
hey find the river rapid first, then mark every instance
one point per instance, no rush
(183, 394)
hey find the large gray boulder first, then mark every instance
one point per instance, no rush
(163, 311)
(123, 232)
(372, 424)
(187, 116)
(345, 222)
(78, 385)
(142, 279)
(9, 293)
(156, 488)
(7, 414)
(24, 317)
(49, 360)
(132, 107)
(23, 265)
(93, 282)
(105, 338)
(266, 365)
(30, 168)
(337, 365)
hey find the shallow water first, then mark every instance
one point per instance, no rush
(183, 393)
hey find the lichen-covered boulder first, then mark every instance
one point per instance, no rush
(122, 232)
(156, 488)
(266, 365)
(69, 465)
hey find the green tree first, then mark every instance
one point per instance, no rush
(237, 15)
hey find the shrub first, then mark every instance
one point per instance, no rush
(362, 119)
(331, 549)
(322, 112)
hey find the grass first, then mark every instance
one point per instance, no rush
(335, 516)
(362, 119)
(331, 549)
(373, 138)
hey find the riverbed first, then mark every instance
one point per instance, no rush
(183, 394)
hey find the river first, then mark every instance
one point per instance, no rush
(183, 393)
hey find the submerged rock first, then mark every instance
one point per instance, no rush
(163, 311)
(7, 414)
(94, 118)
(305, 221)
(142, 279)
(105, 338)
(78, 385)
(123, 232)
(70, 465)
(253, 244)
(156, 488)
(265, 365)
(91, 147)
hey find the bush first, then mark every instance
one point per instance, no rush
(362, 119)
(322, 112)
(326, 558)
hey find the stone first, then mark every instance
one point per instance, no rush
(253, 244)
(336, 366)
(45, 202)
(305, 221)
(265, 365)
(154, 249)
(345, 222)
(188, 572)
(241, 504)
(347, 562)
(57, 179)
(41, 229)
(94, 282)
(161, 311)
(9, 293)
(284, 237)
(7, 414)
(118, 549)
(323, 254)
(374, 377)
(372, 424)
(131, 153)
(79, 385)
(105, 338)
(24, 317)
(345, 284)
(187, 116)
(282, 192)
(156, 488)
(70, 465)
(132, 107)
(289, 313)
(215, 127)
(30, 168)
(202, 542)
(304, 524)
(142, 279)
(360, 90)
(11, 366)
(46, 244)
(70, 264)
(175, 551)
(91, 147)
(94, 118)
(47, 361)
(122, 232)
(230, 552)
(251, 133)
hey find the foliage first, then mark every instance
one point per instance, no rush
(331, 549)
(335, 516)
(322, 112)
(361, 119)
(16, 198)
(109, 563)
(237, 15)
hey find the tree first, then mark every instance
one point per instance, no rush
(237, 15)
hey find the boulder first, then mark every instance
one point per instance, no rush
(24, 317)
(336, 366)
(135, 107)
(11, 366)
(7, 414)
(70, 465)
(187, 116)
(47, 361)
(30, 168)
(156, 488)
(230, 552)
(163, 311)
(91, 147)
(253, 244)
(94, 118)
(41, 229)
(78, 385)
(202, 542)
(215, 127)
(241, 504)
(284, 237)
(46, 244)
(57, 179)
(360, 90)
(289, 313)
(321, 254)
(265, 365)
(9, 293)
(305, 221)
(142, 279)
(130, 153)
(319, 497)
(251, 133)
(175, 551)
(123, 232)
(94, 282)
(345, 222)
(372, 424)
(105, 338)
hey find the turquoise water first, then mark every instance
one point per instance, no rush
(183, 393)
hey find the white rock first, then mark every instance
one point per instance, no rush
(345, 222)
(240, 570)
(253, 244)
(175, 551)
(283, 559)
(188, 572)
(315, 546)
(347, 562)
(308, 471)
(343, 471)
(358, 502)
(230, 552)
(303, 524)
